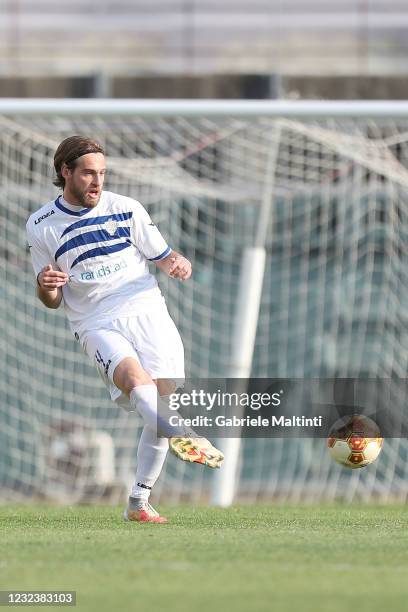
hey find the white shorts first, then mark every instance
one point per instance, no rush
(150, 337)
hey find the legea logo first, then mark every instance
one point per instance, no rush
(48, 214)
(104, 270)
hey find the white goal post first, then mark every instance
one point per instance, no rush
(294, 215)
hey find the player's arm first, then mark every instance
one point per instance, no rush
(49, 283)
(175, 265)
(154, 247)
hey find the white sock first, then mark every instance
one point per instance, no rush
(155, 412)
(151, 454)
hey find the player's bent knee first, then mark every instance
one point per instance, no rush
(166, 386)
(130, 374)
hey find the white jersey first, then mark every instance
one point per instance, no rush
(104, 250)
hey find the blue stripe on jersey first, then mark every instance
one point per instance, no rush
(95, 236)
(162, 256)
(97, 220)
(80, 213)
(105, 250)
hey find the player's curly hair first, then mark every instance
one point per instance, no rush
(68, 152)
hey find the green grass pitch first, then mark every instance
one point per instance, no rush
(319, 558)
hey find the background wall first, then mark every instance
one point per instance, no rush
(312, 47)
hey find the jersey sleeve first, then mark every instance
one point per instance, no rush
(147, 237)
(40, 256)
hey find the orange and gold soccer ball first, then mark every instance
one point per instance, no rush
(355, 441)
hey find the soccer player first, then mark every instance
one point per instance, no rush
(90, 250)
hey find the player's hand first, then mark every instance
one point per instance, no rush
(49, 279)
(180, 268)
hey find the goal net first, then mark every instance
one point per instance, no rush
(333, 303)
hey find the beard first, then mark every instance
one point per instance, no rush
(84, 198)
